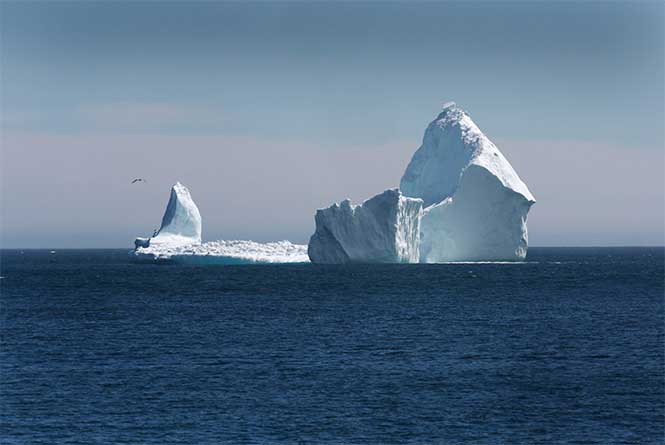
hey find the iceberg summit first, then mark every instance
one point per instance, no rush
(181, 223)
(459, 200)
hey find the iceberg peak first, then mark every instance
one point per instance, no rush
(181, 223)
(451, 143)
(475, 203)
(449, 108)
(450, 113)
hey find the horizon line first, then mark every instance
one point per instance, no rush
(651, 246)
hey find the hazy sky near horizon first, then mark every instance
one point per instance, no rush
(267, 111)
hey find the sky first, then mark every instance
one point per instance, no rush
(268, 111)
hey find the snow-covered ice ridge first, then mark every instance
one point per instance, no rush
(179, 240)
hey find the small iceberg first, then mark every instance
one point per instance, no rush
(178, 240)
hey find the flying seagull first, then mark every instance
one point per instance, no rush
(139, 180)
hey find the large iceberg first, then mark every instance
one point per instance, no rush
(179, 240)
(476, 205)
(383, 229)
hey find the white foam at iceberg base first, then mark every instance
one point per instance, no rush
(227, 252)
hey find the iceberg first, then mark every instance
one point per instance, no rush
(459, 200)
(383, 229)
(178, 240)
(181, 223)
(476, 205)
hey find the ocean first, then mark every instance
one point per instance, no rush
(566, 348)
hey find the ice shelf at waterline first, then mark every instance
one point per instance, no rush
(475, 204)
(227, 252)
(179, 240)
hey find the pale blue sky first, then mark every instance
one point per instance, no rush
(270, 110)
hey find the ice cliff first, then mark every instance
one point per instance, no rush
(179, 240)
(383, 229)
(476, 205)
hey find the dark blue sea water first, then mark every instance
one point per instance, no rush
(567, 348)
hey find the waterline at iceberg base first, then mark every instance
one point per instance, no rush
(459, 200)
